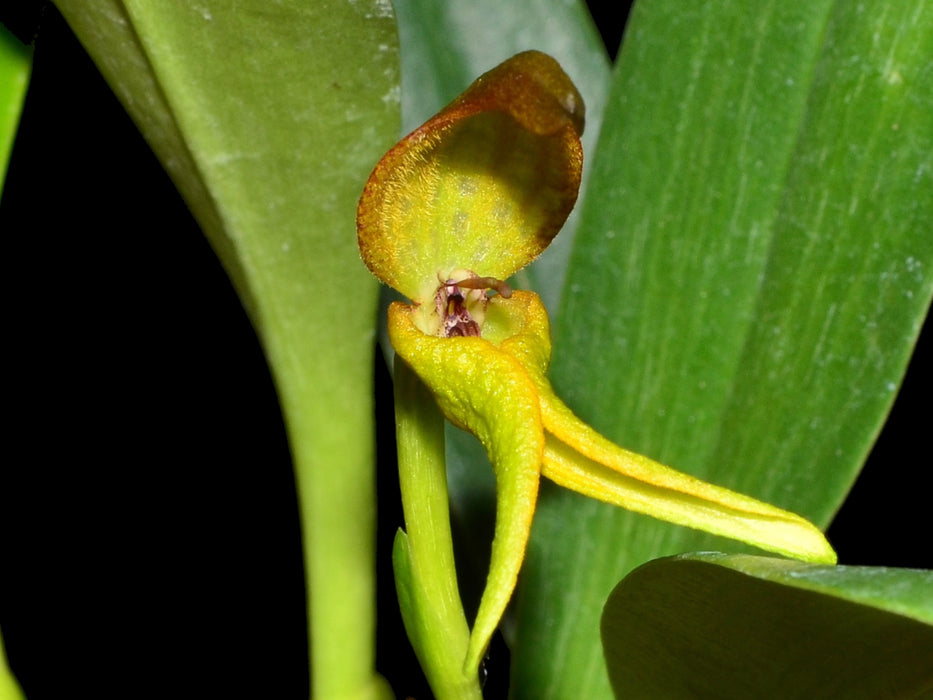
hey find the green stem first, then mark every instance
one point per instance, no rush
(425, 572)
(332, 444)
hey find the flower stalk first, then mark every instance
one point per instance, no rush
(423, 559)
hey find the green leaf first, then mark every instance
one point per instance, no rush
(711, 625)
(15, 66)
(752, 269)
(269, 117)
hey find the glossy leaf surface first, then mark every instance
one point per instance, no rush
(771, 627)
(752, 270)
(15, 65)
(268, 118)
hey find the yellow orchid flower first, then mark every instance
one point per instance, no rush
(459, 205)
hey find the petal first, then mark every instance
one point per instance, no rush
(580, 459)
(486, 391)
(484, 185)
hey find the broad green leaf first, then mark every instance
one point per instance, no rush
(15, 66)
(752, 269)
(268, 117)
(739, 626)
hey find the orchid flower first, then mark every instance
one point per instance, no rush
(448, 214)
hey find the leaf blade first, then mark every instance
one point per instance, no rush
(700, 162)
(761, 622)
(268, 118)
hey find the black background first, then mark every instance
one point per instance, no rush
(149, 525)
